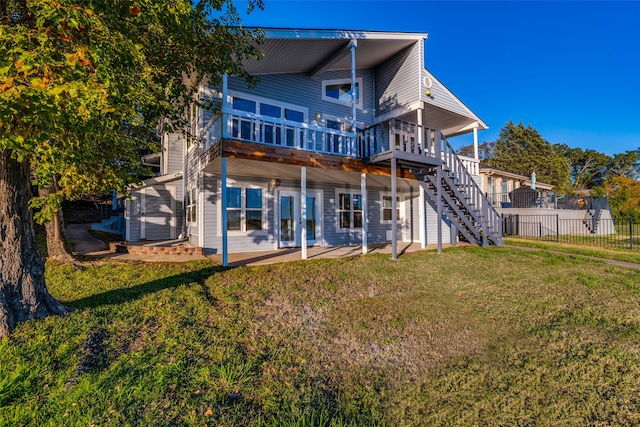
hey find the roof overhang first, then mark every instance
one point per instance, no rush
(317, 51)
(525, 180)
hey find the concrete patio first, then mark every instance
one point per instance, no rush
(92, 248)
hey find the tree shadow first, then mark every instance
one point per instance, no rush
(125, 295)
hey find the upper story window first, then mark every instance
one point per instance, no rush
(340, 91)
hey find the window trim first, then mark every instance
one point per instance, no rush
(400, 200)
(191, 209)
(337, 210)
(259, 99)
(243, 210)
(359, 84)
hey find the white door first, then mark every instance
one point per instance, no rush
(290, 218)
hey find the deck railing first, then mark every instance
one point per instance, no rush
(394, 134)
(277, 132)
(410, 138)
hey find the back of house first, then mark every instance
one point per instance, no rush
(342, 141)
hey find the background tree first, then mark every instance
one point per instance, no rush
(484, 151)
(625, 164)
(83, 86)
(624, 196)
(588, 168)
(522, 150)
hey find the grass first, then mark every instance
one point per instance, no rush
(472, 337)
(607, 253)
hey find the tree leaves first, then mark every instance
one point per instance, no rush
(84, 84)
(522, 150)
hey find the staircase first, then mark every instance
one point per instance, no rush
(444, 177)
(463, 203)
(592, 219)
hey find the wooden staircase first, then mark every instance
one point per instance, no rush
(444, 177)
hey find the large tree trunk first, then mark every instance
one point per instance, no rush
(23, 293)
(57, 245)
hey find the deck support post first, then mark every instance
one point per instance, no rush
(224, 197)
(439, 205)
(422, 218)
(394, 213)
(439, 189)
(303, 211)
(365, 214)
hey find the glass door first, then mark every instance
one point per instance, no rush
(290, 219)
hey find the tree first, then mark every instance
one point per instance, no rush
(624, 196)
(625, 164)
(83, 86)
(522, 150)
(484, 151)
(588, 168)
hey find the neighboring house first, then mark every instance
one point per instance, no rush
(499, 186)
(298, 160)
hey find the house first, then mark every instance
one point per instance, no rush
(342, 142)
(500, 187)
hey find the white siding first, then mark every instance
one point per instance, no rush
(397, 80)
(299, 89)
(171, 154)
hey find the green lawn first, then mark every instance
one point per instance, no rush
(475, 336)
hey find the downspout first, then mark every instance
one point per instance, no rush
(354, 99)
(223, 176)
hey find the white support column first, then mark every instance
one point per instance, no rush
(475, 142)
(354, 101)
(439, 206)
(365, 214)
(223, 191)
(394, 213)
(422, 217)
(420, 131)
(303, 210)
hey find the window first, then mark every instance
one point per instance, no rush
(340, 91)
(387, 211)
(244, 209)
(349, 210)
(192, 205)
(265, 131)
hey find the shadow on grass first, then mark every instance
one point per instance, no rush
(124, 295)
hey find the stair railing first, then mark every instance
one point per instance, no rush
(477, 201)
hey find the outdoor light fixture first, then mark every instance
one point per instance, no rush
(275, 182)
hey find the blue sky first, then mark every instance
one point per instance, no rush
(570, 69)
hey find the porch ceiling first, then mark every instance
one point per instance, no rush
(448, 122)
(254, 168)
(303, 51)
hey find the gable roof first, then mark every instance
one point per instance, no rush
(290, 50)
(442, 97)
